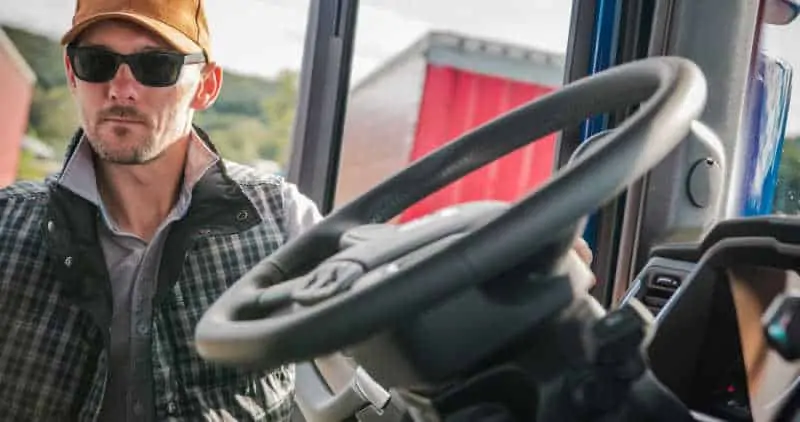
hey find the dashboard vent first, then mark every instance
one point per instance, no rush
(658, 290)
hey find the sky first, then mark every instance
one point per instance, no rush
(270, 35)
(262, 37)
(784, 42)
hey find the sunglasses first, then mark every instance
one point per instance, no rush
(150, 68)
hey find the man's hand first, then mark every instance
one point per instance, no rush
(582, 249)
(584, 252)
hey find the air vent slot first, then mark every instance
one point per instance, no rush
(659, 289)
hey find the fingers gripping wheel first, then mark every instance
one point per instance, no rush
(279, 312)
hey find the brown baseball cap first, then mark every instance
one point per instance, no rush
(181, 23)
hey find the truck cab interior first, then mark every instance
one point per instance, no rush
(480, 311)
(664, 136)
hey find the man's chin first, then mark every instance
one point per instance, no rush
(113, 150)
(126, 157)
(123, 160)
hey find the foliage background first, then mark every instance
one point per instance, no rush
(250, 122)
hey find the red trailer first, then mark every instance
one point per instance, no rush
(442, 86)
(17, 82)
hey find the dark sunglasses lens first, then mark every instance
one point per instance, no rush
(156, 68)
(94, 65)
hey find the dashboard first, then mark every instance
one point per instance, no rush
(711, 346)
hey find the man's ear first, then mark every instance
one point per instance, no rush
(210, 85)
(71, 83)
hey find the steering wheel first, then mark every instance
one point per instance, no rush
(350, 277)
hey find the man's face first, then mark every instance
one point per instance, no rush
(127, 122)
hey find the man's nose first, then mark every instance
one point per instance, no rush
(123, 86)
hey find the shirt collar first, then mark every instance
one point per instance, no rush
(79, 174)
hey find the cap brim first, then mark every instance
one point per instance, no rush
(172, 36)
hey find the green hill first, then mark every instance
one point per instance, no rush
(240, 121)
(42, 54)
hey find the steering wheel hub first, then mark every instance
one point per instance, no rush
(326, 281)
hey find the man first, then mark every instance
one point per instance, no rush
(107, 267)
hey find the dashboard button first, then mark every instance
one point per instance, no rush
(782, 325)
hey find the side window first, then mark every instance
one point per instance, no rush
(426, 72)
(258, 43)
(777, 171)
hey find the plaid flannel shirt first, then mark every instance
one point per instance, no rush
(55, 302)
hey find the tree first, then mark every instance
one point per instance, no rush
(29, 168)
(279, 109)
(787, 197)
(244, 138)
(44, 55)
(54, 116)
(240, 141)
(252, 118)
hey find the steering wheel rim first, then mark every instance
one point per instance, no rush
(672, 93)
